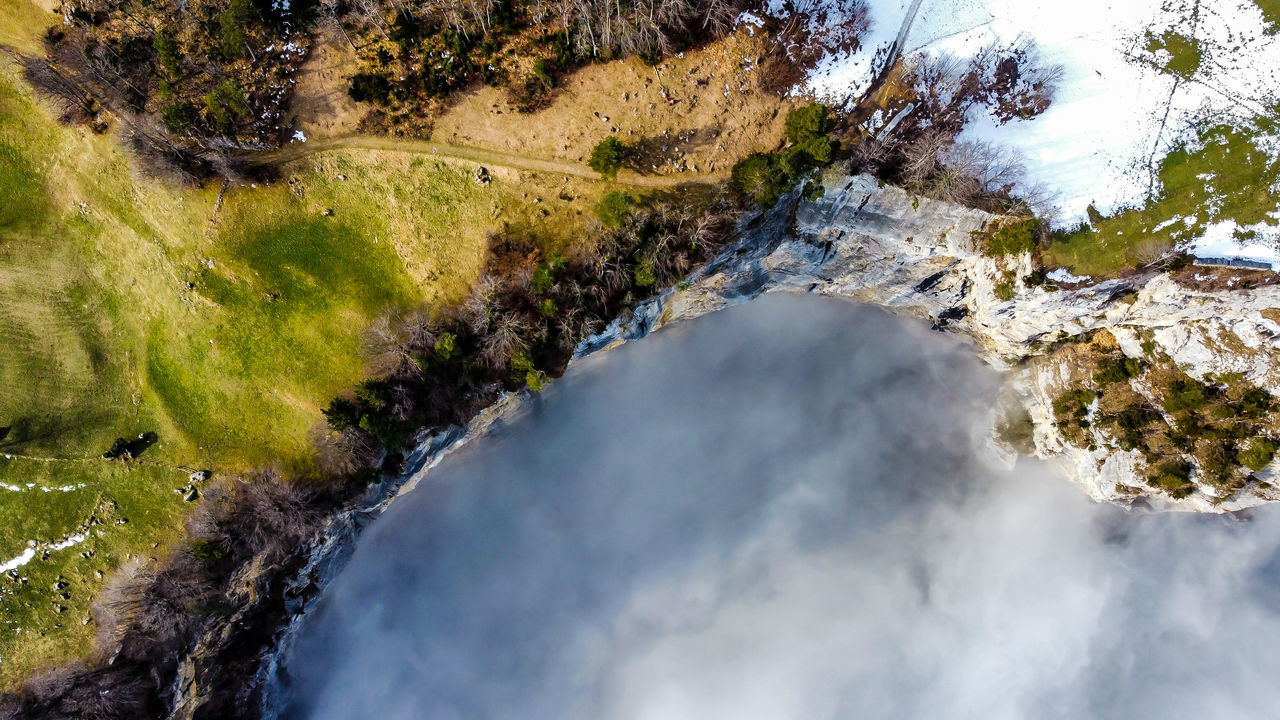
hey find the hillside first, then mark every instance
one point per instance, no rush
(223, 316)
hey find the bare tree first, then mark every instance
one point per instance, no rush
(340, 453)
(391, 344)
(506, 337)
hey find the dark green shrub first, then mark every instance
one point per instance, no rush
(814, 191)
(376, 87)
(1118, 369)
(808, 123)
(342, 414)
(607, 157)
(225, 105)
(1073, 404)
(542, 69)
(613, 208)
(1185, 395)
(765, 177)
(446, 346)
(644, 275)
(762, 177)
(1131, 425)
(1011, 238)
(1174, 477)
(207, 551)
(1216, 459)
(168, 53)
(1256, 403)
(177, 116)
(232, 25)
(523, 369)
(818, 152)
(1259, 454)
(542, 279)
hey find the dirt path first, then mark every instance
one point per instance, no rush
(895, 51)
(491, 158)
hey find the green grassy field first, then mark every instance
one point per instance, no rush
(1223, 172)
(128, 305)
(1225, 175)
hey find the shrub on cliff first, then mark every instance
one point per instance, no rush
(1118, 369)
(1010, 237)
(807, 123)
(1259, 453)
(766, 177)
(1185, 395)
(763, 177)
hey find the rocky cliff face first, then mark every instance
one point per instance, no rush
(882, 246)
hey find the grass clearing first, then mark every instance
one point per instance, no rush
(1227, 176)
(130, 306)
(1184, 53)
(221, 319)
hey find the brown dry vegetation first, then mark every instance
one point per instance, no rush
(321, 106)
(1212, 279)
(720, 115)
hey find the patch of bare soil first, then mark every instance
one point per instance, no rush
(696, 113)
(320, 105)
(1200, 277)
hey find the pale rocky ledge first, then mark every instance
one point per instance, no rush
(880, 245)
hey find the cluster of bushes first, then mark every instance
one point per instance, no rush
(427, 52)
(183, 80)
(1217, 432)
(519, 326)
(765, 177)
(244, 539)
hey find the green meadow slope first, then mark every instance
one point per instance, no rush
(220, 319)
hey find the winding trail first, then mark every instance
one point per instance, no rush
(489, 158)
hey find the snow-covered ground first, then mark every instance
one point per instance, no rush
(1117, 112)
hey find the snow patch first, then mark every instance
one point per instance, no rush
(26, 557)
(1108, 122)
(1062, 275)
(299, 136)
(1220, 241)
(70, 541)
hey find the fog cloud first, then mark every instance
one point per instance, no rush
(777, 512)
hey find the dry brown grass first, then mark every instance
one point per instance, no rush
(712, 127)
(321, 106)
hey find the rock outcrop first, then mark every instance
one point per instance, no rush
(883, 246)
